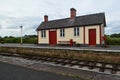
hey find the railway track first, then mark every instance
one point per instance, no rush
(100, 66)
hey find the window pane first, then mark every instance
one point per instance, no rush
(41, 34)
(63, 32)
(74, 31)
(60, 32)
(44, 33)
(77, 31)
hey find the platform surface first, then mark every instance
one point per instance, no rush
(14, 72)
(110, 48)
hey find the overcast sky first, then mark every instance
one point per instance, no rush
(29, 13)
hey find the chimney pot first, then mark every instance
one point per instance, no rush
(45, 18)
(72, 13)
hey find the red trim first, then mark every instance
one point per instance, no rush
(84, 33)
(100, 35)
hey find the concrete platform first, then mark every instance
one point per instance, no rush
(14, 72)
(110, 48)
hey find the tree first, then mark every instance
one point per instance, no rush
(115, 35)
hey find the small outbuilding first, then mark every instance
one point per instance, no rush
(86, 30)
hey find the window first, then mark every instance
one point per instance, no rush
(62, 32)
(76, 31)
(43, 33)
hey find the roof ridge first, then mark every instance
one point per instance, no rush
(91, 14)
(75, 17)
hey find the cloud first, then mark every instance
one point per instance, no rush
(11, 25)
(0, 27)
(113, 27)
(29, 13)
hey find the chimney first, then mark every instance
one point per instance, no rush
(72, 13)
(45, 18)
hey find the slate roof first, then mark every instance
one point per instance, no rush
(92, 19)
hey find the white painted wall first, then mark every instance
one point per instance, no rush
(69, 34)
(44, 40)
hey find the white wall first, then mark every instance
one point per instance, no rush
(69, 34)
(44, 40)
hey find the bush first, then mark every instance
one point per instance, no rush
(112, 41)
(32, 39)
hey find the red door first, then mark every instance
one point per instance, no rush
(92, 37)
(52, 37)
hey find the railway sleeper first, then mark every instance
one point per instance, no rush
(44, 59)
(82, 65)
(52, 59)
(114, 69)
(23, 56)
(59, 61)
(66, 62)
(102, 68)
(40, 58)
(49, 58)
(92, 65)
(74, 63)
(36, 58)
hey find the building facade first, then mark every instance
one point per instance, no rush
(87, 30)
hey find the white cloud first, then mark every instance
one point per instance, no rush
(29, 13)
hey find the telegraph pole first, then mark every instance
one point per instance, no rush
(21, 41)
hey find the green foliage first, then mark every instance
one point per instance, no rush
(112, 40)
(11, 40)
(26, 39)
(115, 35)
(30, 40)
